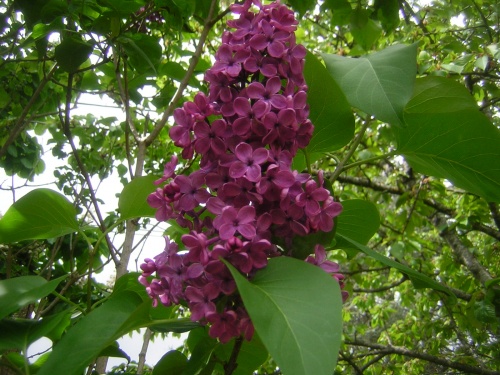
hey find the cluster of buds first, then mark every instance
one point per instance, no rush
(245, 195)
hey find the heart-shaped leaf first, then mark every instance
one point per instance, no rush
(379, 84)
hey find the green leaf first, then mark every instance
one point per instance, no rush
(364, 30)
(296, 310)
(40, 214)
(379, 84)
(173, 362)
(451, 139)
(114, 350)
(418, 279)
(341, 11)
(144, 51)
(302, 6)
(17, 292)
(90, 335)
(330, 112)
(133, 198)
(201, 347)
(72, 53)
(388, 14)
(359, 221)
(20, 333)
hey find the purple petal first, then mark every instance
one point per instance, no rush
(246, 214)
(226, 231)
(247, 230)
(260, 155)
(243, 151)
(237, 169)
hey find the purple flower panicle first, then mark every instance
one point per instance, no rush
(245, 194)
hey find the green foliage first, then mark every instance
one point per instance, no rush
(406, 123)
(132, 202)
(379, 84)
(295, 307)
(40, 214)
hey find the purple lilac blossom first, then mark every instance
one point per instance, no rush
(245, 195)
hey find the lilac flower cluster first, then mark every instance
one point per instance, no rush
(245, 194)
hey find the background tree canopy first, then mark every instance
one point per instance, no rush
(404, 99)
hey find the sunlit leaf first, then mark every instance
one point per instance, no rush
(90, 335)
(17, 292)
(40, 214)
(296, 310)
(133, 198)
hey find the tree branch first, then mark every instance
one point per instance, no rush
(209, 22)
(461, 251)
(20, 123)
(382, 288)
(389, 350)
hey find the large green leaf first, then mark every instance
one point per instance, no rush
(40, 214)
(418, 279)
(330, 112)
(20, 291)
(132, 202)
(89, 336)
(296, 310)
(379, 84)
(448, 137)
(359, 221)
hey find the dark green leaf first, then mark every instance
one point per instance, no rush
(341, 11)
(379, 84)
(20, 333)
(296, 310)
(330, 112)
(450, 138)
(418, 279)
(201, 346)
(17, 292)
(40, 214)
(72, 53)
(144, 51)
(173, 362)
(388, 13)
(359, 221)
(114, 350)
(133, 198)
(302, 6)
(89, 336)
(364, 29)
(251, 355)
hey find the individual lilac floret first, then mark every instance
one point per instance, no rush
(243, 199)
